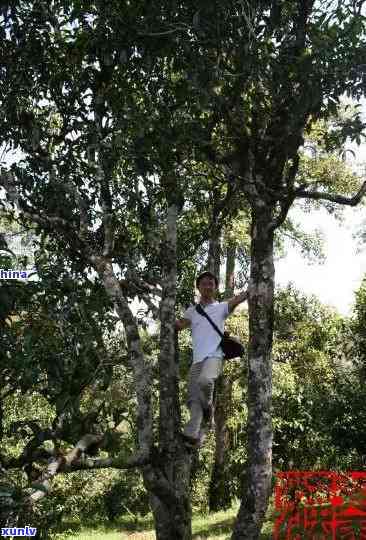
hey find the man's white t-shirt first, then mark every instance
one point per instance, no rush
(206, 341)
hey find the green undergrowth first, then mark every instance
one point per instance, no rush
(216, 526)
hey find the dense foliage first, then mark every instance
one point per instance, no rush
(145, 134)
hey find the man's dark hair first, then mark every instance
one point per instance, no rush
(207, 274)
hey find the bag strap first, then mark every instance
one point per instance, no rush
(201, 311)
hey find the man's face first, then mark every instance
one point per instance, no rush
(207, 287)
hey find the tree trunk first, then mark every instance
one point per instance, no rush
(230, 269)
(166, 477)
(172, 513)
(257, 483)
(1, 418)
(214, 253)
(171, 509)
(219, 495)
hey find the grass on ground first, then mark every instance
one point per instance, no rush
(216, 526)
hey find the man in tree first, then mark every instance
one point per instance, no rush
(207, 352)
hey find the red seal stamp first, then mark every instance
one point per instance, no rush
(320, 505)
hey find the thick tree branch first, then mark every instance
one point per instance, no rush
(74, 461)
(87, 464)
(169, 411)
(36, 216)
(44, 220)
(142, 375)
(108, 233)
(151, 306)
(332, 197)
(57, 463)
(285, 206)
(39, 437)
(286, 202)
(135, 284)
(182, 28)
(83, 209)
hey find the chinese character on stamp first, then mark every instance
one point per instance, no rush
(320, 505)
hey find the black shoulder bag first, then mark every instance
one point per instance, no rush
(231, 346)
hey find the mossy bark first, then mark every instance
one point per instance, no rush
(257, 484)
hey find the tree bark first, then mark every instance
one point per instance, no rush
(172, 509)
(219, 495)
(172, 514)
(257, 481)
(1, 418)
(214, 253)
(166, 477)
(230, 269)
(141, 371)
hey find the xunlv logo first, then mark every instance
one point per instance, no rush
(18, 531)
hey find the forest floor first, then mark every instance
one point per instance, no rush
(217, 526)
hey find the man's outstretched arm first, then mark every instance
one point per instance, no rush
(236, 300)
(181, 324)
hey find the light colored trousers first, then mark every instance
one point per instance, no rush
(201, 382)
